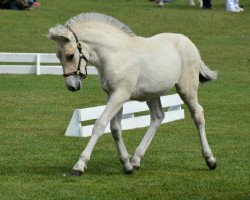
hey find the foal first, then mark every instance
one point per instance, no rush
(131, 67)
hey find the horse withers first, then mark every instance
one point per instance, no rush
(131, 67)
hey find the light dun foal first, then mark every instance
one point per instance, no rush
(131, 68)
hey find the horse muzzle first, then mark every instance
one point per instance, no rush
(73, 83)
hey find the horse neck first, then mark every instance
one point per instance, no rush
(101, 40)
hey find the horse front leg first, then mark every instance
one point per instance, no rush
(115, 103)
(156, 117)
(116, 131)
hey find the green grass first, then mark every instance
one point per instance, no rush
(35, 111)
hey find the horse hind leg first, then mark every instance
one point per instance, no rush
(156, 117)
(188, 93)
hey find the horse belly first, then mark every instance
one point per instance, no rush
(158, 78)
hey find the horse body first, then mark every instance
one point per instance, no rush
(132, 67)
(149, 59)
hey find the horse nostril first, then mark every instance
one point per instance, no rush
(73, 83)
(71, 88)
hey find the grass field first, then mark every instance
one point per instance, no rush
(35, 111)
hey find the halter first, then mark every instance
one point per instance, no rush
(81, 56)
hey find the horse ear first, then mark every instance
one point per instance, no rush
(65, 36)
(52, 35)
(59, 35)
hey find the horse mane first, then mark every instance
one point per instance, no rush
(83, 17)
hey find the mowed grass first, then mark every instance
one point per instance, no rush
(35, 111)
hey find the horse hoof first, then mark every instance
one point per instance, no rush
(211, 162)
(76, 173)
(212, 166)
(129, 171)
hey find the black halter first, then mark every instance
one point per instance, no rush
(81, 56)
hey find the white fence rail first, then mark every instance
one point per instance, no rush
(129, 120)
(38, 63)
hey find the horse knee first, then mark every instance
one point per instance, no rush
(98, 128)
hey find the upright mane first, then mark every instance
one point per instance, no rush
(101, 18)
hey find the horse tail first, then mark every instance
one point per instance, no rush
(206, 74)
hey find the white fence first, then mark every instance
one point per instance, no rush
(129, 120)
(38, 63)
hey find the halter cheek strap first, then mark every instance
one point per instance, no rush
(81, 56)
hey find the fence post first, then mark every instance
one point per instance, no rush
(38, 67)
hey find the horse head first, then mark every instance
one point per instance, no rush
(69, 52)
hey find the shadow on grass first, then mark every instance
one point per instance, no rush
(94, 167)
(101, 167)
(33, 170)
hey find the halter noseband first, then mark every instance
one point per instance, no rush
(81, 56)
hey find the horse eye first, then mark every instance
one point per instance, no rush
(70, 56)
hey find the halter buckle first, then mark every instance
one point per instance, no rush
(79, 46)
